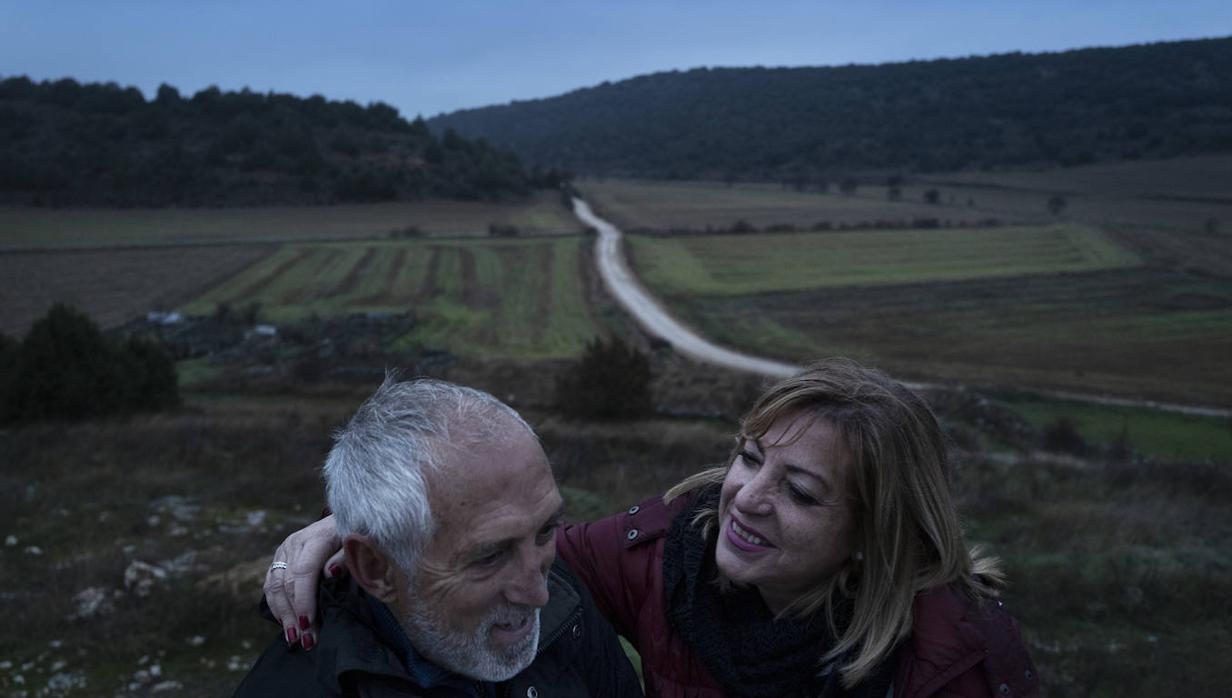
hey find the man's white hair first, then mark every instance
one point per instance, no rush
(375, 474)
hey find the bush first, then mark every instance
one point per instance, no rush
(612, 381)
(66, 369)
(1061, 436)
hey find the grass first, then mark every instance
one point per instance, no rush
(1113, 566)
(1120, 332)
(509, 298)
(734, 265)
(36, 228)
(1165, 436)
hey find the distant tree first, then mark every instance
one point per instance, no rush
(1211, 225)
(1057, 204)
(611, 381)
(932, 196)
(167, 96)
(848, 185)
(894, 193)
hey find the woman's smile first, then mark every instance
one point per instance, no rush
(747, 539)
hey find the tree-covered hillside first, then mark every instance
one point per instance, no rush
(63, 143)
(1156, 100)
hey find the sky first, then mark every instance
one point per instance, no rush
(426, 58)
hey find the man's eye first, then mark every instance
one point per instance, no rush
(546, 534)
(488, 560)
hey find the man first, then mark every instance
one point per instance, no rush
(447, 511)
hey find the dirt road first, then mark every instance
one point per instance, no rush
(654, 318)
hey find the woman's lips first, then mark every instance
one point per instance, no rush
(745, 538)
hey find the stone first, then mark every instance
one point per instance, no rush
(92, 602)
(141, 577)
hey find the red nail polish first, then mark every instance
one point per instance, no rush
(335, 570)
(292, 636)
(303, 623)
(308, 641)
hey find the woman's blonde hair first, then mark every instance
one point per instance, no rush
(907, 529)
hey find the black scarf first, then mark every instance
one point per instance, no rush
(735, 636)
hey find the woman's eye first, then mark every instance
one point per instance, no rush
(750, 459)
(799, 496)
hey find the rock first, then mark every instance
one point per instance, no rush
(10, 540)
(140, 577)
(156, 670)
(255, 518)
(166, 686)
(33, 550)
(182, 509)
(92, 602)
(196, 641)
(65, 682)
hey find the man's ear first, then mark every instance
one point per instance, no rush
(371, 568)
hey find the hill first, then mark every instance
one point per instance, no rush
(1011, 110)
(68, 144)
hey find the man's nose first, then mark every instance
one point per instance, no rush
(529, 584)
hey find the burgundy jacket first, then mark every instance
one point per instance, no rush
(956, 648)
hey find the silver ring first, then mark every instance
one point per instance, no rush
(278, 566)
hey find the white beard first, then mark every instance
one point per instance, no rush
(470, 654)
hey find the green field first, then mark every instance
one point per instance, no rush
(1166, 436)
(732, 265)
(33, 228)
(1058, 307)
(504, 298)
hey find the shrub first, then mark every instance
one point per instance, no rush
(611, 380)
(66, 369)
(1061, 436)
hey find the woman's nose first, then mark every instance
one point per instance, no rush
(754, 496)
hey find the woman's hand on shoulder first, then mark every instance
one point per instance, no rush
(291, 581)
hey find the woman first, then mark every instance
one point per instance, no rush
(825, 559)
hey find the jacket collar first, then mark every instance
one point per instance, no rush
(349, 641)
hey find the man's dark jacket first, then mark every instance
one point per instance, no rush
(579, 654)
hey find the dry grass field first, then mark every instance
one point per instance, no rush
(31, 228)
(1178, 194)
(113, 286)
(645, 205)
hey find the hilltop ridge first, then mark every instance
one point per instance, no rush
(1000, 111)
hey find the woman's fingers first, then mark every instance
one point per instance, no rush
(276, 594)
(335, 566)
(309, 549)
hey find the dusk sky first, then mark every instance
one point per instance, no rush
(428, 58)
